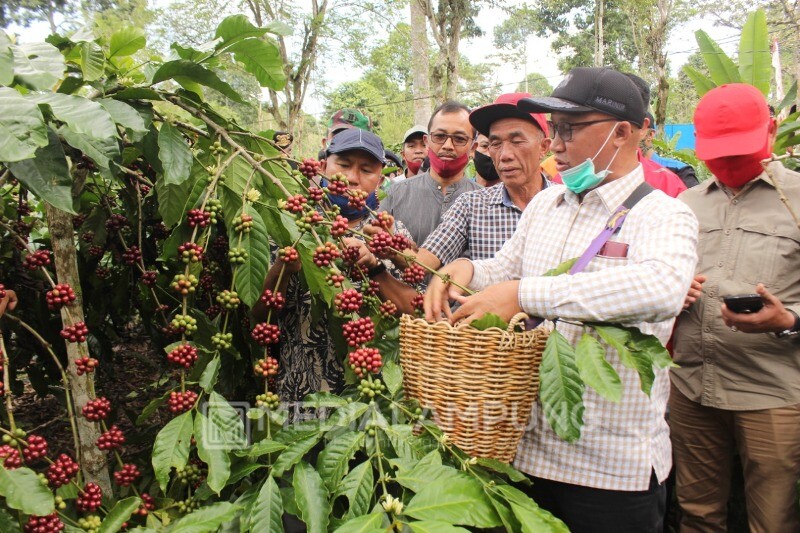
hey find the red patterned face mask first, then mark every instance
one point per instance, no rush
(413, 166)
(737, 170)
(447, 168)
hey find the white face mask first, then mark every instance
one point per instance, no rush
(583, 177)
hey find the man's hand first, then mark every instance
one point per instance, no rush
(501, 299)
(772, 318)
(439, 293)
(695, 291)
(9, 303)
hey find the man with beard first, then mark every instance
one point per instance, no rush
(419, 203)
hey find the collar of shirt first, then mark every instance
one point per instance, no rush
(775, 167)
(499, 194)
(611, 194)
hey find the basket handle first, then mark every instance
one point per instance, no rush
(515, 320)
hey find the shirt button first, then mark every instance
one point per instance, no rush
(711, 293)
(727, 232)
(707, 329)
(708, 360)
(720, 264)
(735, 202)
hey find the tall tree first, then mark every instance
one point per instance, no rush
(536, 84)
(420, 48)
(27, 12)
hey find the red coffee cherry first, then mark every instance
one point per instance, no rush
(190, 252)
(197, 217)
(127, 476)
(264, 368)
(348, 301)
(148, 504)
(288, 254)
(111, 439)
(36, 448)
(180, 402)
(350, 255)
(340, 226)
(388, 309)
(384, 220)
(85, 364)
(265, 333)
(62, 471)
(365, 360)
(89, 499)
(76, 332)
(414, 274)
(334, 279)
(44, 524)
(116, 223)
(359, 331)
(418, 302)
(184, 355)
(315, 195)
(12, 457)
(337, 185)
(381, 243)
(97, 409)
(3, 292)
(272, 300)
(294, 204)
(61, 295)
(149, 278)
(324, 255)
(309, 168)
(357, 198)
(131, 255)
(39, 258)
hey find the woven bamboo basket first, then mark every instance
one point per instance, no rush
(480, 384)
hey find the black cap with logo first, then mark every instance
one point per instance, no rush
(587, 89)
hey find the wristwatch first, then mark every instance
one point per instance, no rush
(380, 268)
(794, 330)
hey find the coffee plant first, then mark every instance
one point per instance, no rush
(127, 198)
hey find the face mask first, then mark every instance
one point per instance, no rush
(447, 168)
(583, 177)
(485, 167)
(413, 167)
(737, 171)
(348, 212)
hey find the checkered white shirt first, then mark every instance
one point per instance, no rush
(620, 443)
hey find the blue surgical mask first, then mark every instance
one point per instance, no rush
(350, 213)
(583, 177)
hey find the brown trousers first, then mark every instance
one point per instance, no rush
(704, 441)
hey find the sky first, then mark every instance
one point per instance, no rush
(541, 58)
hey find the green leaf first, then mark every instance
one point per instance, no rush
(260, 448)
(126, 41)
(101, 151)
(228, 420)
(175, 200)
(369, 523)
(424, 471)
(561, 388)
(403, 441)
(619, 339)
(595, 371)
(789, 99)
(755, 58)
(171, 448)
(434, 526)
(174, 154)
(489, 320)
(344, 416)
(38, 66)
(8, 524)
(533, 518)
(250, 276)
(93, 62)
(334, 459)
(6, 60)
(294, 453)
(22, 128)
(206, 519)
(563, 268)
(393, 377)
(235, 28)
(82, 116)
(646, 343)
(47, 175)
(457, 500)
(197, 73)
(702, 83)
(126, 116)
(277, 27)
(323, 399)
(211, 449)
(209, 377)
(267, 514)
(504, 468)
(357, 487)
(119, 514)
(24, 491)
(312, 498)
(262, 59)
(720, 66)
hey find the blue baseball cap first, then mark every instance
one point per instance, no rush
(357, 139)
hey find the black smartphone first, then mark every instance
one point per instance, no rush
(744, 303)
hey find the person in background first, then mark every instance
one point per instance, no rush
(394, 166)
(419, 203)
(414, 150)
(345, 119)
(737, 385)
(685, 172)
(487, 175)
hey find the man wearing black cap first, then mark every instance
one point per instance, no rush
(309, 362)
(609, 478)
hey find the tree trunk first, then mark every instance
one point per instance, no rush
(93, 461)
(599, 56)
(420, 69)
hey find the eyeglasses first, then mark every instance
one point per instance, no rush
(441, 138)
(565, 129)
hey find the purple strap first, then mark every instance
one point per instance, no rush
(597, 244)
(594, 248)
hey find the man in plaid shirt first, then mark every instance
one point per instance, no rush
(612, 478)
(481, 221)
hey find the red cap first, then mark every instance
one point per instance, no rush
(731, 119)
(505, 106)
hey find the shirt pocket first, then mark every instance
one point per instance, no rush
(602, 262)
(763, 253)
(709, 242)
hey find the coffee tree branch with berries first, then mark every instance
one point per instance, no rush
(127, 198)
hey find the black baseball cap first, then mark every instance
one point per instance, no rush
(587, 89)
(357, 139)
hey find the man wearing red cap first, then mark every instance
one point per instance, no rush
(737, 388)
